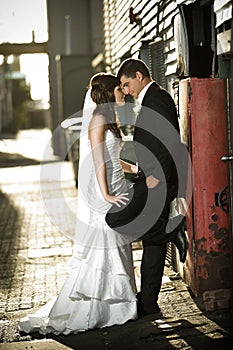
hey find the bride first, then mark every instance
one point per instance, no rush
(100, 288)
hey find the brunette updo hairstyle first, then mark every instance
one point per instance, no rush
(102, 93)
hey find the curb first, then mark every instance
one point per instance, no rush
(34, 345)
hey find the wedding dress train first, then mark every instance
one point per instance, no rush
(100, 288)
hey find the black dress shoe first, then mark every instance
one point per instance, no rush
(181, 243)
(142, 312)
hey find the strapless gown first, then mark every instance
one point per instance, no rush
(100, 288)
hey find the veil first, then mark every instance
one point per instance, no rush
(88, 108)
(85, 170)
(60, 208)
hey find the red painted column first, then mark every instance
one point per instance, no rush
(208, 225)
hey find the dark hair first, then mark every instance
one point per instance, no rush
(102, 93)
(130, 66)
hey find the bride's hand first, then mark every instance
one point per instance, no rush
(117, 200)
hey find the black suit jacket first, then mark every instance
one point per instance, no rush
(158, 151)
(157, 137)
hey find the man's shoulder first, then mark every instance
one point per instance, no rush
(159, 100)
(154, 88)
(157, 95)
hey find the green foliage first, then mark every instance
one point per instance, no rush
(20, 92)
(20, 99)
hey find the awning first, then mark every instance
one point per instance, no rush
(223, 11)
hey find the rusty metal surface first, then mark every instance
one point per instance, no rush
(210, 221)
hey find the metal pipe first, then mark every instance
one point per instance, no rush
(68, 35)
(229, 160)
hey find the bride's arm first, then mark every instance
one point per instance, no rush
(96, 135)
(96, 132)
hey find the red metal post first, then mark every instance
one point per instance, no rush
(208, 225)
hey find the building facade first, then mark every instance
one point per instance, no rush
(187, 45)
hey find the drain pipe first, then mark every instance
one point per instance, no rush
(229, 159)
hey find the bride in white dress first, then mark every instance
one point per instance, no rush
(100, 288)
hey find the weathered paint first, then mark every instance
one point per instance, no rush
(208, 227)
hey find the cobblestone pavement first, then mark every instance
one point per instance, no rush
(34, 254)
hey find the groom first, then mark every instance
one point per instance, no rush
(160, 179)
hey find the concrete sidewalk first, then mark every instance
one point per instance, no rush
(34, 254)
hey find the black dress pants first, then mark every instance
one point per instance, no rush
(145, 217)
(152, 267)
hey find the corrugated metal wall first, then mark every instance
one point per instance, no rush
(155, 20)
(156, 62)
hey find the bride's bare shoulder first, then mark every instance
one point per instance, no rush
(98, 121)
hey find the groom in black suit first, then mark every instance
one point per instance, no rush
(160, 179)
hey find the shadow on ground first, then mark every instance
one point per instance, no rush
(8, 160)
(147, 333)
(9, 238)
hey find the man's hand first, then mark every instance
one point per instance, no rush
(151, 181)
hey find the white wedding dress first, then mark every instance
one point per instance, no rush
(100, 288)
